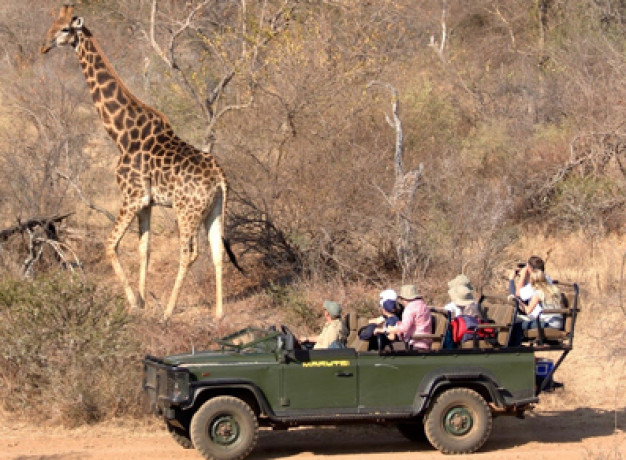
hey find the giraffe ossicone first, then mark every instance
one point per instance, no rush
(155, 167)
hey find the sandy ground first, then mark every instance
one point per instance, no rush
(580, 433)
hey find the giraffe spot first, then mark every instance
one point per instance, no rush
(141, 119)
(136, 161)
(145, 130)
(123, 141)
(134, 146)
(95, 92)
(119, 121)
(112, 106)
(134, 134)
(125, 159)
(148, 143)
(108, 90)
(123, 170)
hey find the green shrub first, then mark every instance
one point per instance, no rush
(66, 350)
(298, 310)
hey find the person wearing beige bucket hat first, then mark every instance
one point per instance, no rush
(416, 318)
(460, 280)
(462, 301)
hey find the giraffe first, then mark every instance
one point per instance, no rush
(155, 167)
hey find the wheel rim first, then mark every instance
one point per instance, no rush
(458, 421)
(224, 430)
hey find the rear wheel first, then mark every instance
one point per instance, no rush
(224, 428)
(458, 422)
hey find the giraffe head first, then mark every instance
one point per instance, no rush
(64, 31)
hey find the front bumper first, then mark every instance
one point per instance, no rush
(165, 387)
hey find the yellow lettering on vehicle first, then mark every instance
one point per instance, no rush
(342, 363)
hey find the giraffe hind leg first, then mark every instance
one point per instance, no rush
(215, 233)
(143, 218)
(188, 245)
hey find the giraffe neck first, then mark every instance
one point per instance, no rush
(120, 110)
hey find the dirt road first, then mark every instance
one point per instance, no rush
(569, 434)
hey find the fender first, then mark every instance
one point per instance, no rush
(198, 388)
(458, 376)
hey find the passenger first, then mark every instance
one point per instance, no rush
(519, 279)
(416, 319)
(389, 309)
(462, 301)
(545, 297)
(334, 332)
(374, 332)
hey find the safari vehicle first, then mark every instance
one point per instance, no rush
(216, 400)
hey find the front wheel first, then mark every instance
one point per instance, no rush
(458, 422)
(180, 435)
(224, 428)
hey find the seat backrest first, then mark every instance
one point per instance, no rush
(501, 311)
(570, 301)
(440, 325)
(351, 320)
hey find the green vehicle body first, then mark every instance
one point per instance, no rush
(286, 386)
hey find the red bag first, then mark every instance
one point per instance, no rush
(464, 328)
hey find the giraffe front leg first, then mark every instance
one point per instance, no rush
(143, 218)
(121, 225)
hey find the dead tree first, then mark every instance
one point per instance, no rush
(404, 188)
(42, 232)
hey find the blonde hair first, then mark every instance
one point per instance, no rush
(552, 294)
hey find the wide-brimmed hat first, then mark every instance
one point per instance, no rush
(333, 308)
(461, 295)
(409, 292)
(388, 294)
(460, 280)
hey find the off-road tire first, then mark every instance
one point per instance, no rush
(180, 435)
(458, 422)
(414, 432)
(224, 428)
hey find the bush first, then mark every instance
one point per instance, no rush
(66, 351)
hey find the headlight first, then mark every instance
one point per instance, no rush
(179, 386)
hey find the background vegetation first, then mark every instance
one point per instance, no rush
(512, 118)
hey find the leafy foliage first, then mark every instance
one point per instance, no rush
(74, 353)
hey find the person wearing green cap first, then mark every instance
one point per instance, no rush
(335, 332)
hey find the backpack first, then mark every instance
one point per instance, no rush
(464, 328)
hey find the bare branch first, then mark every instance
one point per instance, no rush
(89, 204)
(22, 227)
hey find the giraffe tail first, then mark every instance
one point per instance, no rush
(231, 256)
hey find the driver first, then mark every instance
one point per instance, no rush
(335, 332)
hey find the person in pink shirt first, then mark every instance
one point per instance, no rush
(416, 319)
